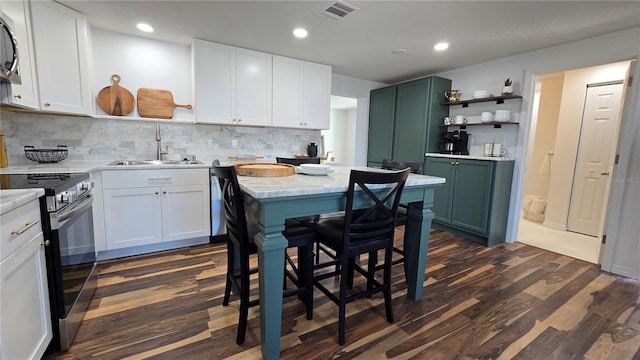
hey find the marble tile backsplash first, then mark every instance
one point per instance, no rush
(112, 139)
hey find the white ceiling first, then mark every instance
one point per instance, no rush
(361, 44)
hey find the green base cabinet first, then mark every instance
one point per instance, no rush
(404, 120)
(474, 202)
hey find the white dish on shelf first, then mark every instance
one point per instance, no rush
(480, 94)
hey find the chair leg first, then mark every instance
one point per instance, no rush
(230, 265)
(305, 265)
(342, 306)
(387, 284)
(371, 269)
(244, 300)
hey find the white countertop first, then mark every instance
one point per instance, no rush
(11, 199)
(300, 184)
(84, 166)
(473, 157)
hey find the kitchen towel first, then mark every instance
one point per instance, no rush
(545, 168)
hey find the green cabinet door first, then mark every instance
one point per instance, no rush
(442, 197)
(472, 195)
(409, 137)
(381, 123)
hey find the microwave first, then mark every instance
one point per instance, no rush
(9, 58)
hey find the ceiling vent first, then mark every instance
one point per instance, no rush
(338, 11)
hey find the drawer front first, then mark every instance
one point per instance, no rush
(122, 179)
(18, 226)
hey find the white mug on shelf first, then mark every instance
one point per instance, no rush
(460, 119)
(503, 115)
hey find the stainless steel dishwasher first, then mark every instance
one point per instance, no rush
(218, 228)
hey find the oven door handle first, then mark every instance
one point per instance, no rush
(77, 210)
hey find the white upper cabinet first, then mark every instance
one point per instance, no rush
(25, 94)
(231, 85)
(61, 43)
(316, 95)
(301, 93)
(287, 92)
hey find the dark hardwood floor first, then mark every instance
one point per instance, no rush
(510, 301)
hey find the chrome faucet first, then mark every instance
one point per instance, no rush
(159, 151)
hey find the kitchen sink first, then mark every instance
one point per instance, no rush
(154, 162)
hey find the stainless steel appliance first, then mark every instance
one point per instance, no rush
(455, 143)
(67, 222)
(9, 58)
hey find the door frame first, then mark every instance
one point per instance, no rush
(628, 129)
(630, 112)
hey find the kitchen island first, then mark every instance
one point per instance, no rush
(274, 199)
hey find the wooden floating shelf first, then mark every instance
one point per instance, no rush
(497, 99)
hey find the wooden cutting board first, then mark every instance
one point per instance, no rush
(157, 103)
(265, 169)
(116, 100)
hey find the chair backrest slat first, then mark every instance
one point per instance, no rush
(233, 203)
(383, 190)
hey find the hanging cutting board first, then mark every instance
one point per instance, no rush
(265, 169)
(116, 100)
(157, 103)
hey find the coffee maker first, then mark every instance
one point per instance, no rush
(455, 143)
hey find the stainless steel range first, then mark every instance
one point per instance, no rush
(67, 222)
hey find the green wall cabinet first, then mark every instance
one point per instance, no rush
(404, 120)
(474, 201)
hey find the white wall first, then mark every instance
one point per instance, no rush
(359, 89)
(340, 138)
(545, 134)
(618, 46)
(143, 62)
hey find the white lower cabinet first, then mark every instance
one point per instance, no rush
(25, 320)
(143, 207)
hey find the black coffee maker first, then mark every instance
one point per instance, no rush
(455, 143)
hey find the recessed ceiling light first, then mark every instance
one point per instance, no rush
(144, 27)
(399, 51)
(441, 46)
(300, 33)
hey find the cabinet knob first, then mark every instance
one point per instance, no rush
(457, 163)
(164, 192)
(47, 104)
(453, 163)
(157, 192)
(17, 96)
(606, 173)
(46, 243)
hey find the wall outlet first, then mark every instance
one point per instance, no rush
(234, 143)
(210, 144)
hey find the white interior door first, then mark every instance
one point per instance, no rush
(594, 163)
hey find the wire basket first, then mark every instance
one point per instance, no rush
(46, 155)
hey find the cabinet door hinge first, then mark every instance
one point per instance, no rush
(617, 160)
(630, 82)
(604, 239)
